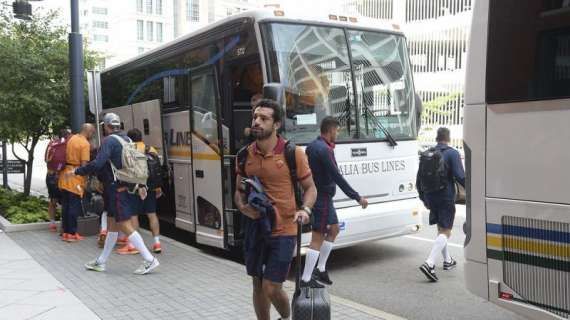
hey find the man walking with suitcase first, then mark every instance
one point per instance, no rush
(325, 222)
(266, 161)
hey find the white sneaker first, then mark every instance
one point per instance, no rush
(95, 266)
(147, 266)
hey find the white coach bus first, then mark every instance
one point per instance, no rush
(191, 100)
(516, 138)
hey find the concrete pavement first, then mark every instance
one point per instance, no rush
(189, 284)
(28, 291)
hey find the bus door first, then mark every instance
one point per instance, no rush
(207, 155)
(242, 80)
(147, 118)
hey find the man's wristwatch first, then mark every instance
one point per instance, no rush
(307, 210)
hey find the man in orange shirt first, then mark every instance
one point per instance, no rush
(266, 161)
(72, 187)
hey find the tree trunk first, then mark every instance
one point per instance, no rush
(30, 166)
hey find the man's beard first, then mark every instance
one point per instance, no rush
(260, 133)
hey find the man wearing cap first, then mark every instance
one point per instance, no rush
(120, 202)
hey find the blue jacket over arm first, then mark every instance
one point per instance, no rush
(111, 150)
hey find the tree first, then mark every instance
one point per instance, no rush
(34, 82)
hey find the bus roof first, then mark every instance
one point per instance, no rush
(279, 15)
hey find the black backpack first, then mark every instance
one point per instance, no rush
(291, 163)
(156, 173)
(433, 172)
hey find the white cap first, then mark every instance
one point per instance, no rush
(112, 119)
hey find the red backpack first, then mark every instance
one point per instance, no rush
(55, 154)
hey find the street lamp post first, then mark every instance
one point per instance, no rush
(76, 70)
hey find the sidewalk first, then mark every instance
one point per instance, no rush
(28, 291)
(189, 284)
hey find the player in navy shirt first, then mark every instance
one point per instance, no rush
(324, 220)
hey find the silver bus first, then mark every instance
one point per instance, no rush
(191, 99)
(516, 136)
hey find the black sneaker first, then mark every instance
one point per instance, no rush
(311, 284)
(322, 276)
(449, 265)
(429, 272)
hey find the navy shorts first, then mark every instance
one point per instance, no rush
(148, 205)
(51, 183)
(323, 214)
(120, 205)
(276, 256)
(442, 213)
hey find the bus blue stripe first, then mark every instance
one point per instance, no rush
(534, 233)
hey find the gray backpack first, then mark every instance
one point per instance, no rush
(135, 168)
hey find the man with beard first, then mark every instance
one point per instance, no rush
(265, 160)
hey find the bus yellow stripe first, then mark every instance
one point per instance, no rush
(530, 246)
(197, 155)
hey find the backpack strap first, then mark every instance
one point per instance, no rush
(241, 160)
(290, 158)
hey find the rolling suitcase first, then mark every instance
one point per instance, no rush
(308, 303)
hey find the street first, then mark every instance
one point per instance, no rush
(384, 274)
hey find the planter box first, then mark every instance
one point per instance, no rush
(86, 226)
(7, 226)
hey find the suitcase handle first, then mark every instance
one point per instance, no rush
(298, 258)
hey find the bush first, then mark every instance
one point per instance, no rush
(18, 208)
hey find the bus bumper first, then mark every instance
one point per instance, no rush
(377, 221)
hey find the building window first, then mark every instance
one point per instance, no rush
(99, 10)
(100, 24)
(140, 31)
(193, 10)
(101, 37)
(140, 50)
(159, 31)
(149, 6)
(149, 31)
(139, 6)
(159, 7)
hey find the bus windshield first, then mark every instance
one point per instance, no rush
(360, 77)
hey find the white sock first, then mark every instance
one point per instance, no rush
(445, 253)
(104, 221)
(110, 242)
(326, 249)
(137, 241)
(310, 263)
(51, 221)
(440, 243)
(157, 239)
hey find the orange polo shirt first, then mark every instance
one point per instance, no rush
(273, 172)
(77, 151)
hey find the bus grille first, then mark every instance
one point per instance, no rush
(536, 262)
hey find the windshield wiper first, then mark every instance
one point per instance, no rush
(369, 114)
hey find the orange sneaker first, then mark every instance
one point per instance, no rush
(68, 237)
(128, 249)
(101, 238)
(52, 227)
(156, 248)
(78, 237)
(123, 240)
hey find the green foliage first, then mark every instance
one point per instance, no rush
(34, 82)
(437, 105)
(18, 208)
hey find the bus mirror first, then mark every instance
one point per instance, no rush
(274, 91)
(419, 110)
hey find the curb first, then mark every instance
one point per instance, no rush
(8, 227)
